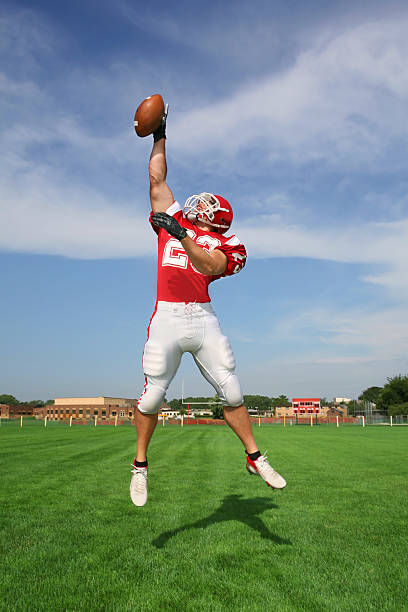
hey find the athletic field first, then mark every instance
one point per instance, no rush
(211, 537)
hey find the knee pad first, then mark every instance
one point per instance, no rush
(218, 367)
(160, 362)
(152, 397)
(154, 359)
(231, 394)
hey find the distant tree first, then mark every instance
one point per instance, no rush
(370, 395)
(50, 401)
(218, 411)
(175, 404)
(398, 409)
(197, 400)
(9, 399)
(35, 403)
(394, 393)
(281, 400)
(261, 402)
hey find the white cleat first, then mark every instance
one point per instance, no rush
(261, 467)
(138, 486)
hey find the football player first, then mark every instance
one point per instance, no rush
(193, 251)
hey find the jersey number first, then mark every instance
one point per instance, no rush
(239, 259)
(174, 255)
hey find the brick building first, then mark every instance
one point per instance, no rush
(12, 412)
(90, 407)
(281, 411)
(4, 411)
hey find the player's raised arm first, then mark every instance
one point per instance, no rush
(150, 118)
(161, 196)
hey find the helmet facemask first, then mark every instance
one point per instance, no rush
(203, 207)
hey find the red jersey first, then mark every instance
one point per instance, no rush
(177, 279)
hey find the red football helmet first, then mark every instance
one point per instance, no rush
(209, 208)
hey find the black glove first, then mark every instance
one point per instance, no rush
(161, 130)
(170, 224)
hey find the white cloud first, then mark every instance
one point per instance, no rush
(378, 333)
(384, 244)
(62, 220)
(341, 102)
(343, 98)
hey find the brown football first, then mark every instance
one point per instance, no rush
(148, 115)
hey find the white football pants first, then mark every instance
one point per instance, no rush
(174, 329)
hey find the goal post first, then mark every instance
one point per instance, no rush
(188, 403)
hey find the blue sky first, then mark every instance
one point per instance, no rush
(295, 112)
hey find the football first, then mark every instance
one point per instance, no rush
(148, 115)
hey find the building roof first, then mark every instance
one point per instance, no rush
(100, 400)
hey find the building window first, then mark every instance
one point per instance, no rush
(122, 413)
(113, 412)
(130, 413)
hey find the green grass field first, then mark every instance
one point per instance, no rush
(211, 537)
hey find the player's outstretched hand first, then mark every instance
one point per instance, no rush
(161, 130)
(170, 224)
